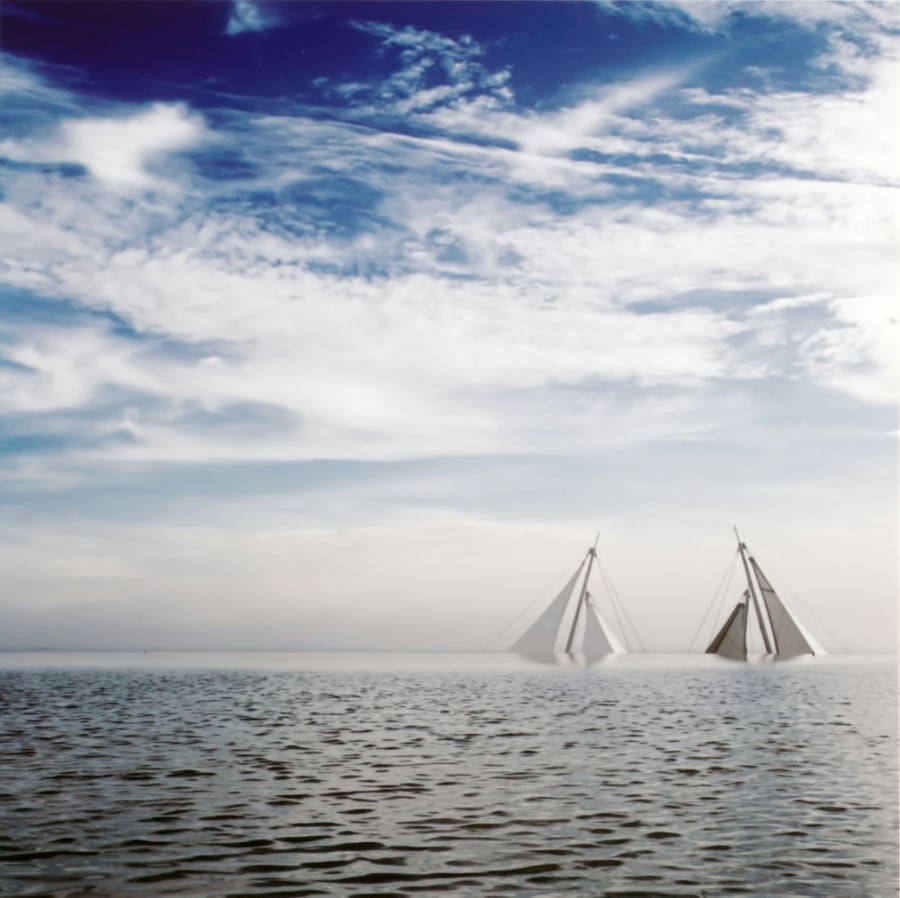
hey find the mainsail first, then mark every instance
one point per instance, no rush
(571, 625)
(790, 638)
(542, 635)
(781, 633)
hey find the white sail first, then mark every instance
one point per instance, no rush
(599, 639)
(790, 637)
(541, 637)
(731, 640)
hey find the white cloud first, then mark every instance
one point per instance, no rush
(851, 135)
(376, 381)
(560, 131)
(31, 82)
(859, 355)
(60, 368)
(492, 317)
(724, 294)
(866, 19)
(119, 151)
(427, 57)
(512, 358)
(249, 17)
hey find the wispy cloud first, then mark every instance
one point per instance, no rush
(429, 270)
(397, 295)
(239, 344)
(247, 16)
(434, 72)
(865, 19)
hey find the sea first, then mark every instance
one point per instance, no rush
(208, 774)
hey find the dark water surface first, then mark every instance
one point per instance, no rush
(304, 775)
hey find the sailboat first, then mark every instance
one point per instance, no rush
(781, 633)
(571, 626)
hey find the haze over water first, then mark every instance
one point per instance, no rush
(396, 775)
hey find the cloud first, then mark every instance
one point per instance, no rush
(388, 327)
(514, 356)
(29, 80)
(859, 355)
(434, 72)
(841, 134)
(385, 294)
(50, 369)
(865, 19)
(250, 17)
(119, 151)
(566, 130)
(336, 377)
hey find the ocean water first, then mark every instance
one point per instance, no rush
(244, 775)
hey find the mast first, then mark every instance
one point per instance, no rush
(789, 636)
(762, 628)
(765, 601)
(592, 554)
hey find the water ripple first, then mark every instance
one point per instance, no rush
(694, 781)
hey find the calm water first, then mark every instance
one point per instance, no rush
(312, 775)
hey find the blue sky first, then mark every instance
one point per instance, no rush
(349, 325)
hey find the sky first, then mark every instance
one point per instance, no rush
(345, 326)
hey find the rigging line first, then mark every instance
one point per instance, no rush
(608, 584)
(528, 607)
(614, 597)
(730, 576)
(807, 609)
(726, 581)
(727, 586)
(618, 601)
